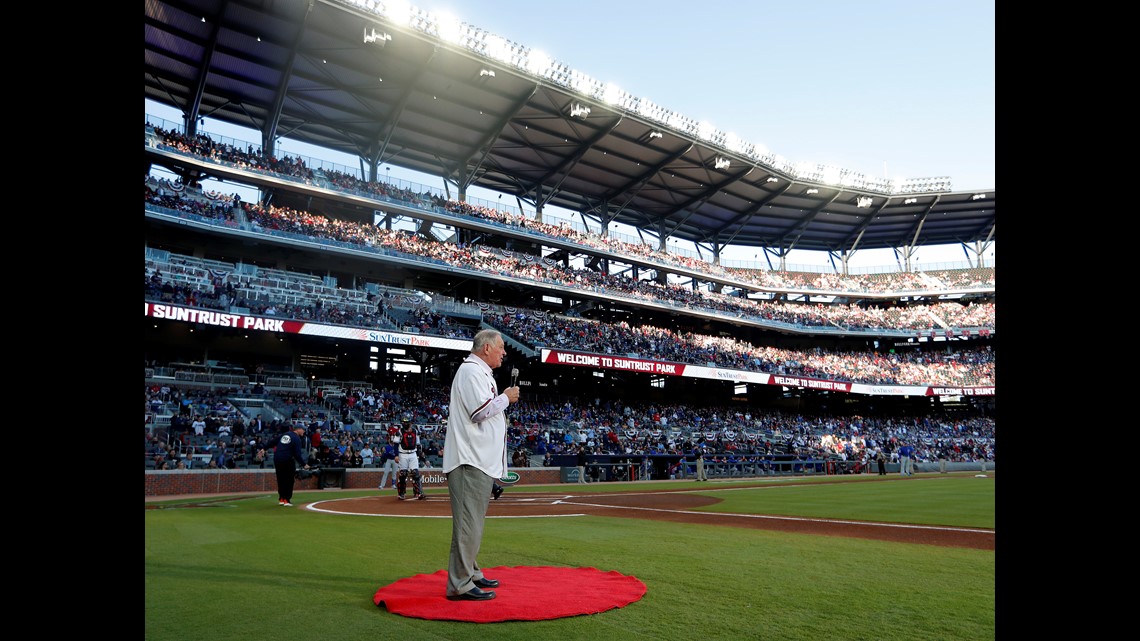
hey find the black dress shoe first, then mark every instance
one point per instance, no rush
(486, 583)
(474, 594)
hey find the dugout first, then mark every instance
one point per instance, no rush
(330, 477)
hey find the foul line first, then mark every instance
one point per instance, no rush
(784, 518)
(567, 499)
(313, 507)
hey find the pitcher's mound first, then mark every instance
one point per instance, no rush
(525, 593)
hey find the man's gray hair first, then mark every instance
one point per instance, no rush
(483, 338)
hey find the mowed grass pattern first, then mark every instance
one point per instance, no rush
(247, 569)
(919, 500)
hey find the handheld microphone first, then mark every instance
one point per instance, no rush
(514, 376)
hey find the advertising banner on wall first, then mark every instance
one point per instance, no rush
(288, 326)
(648, 366)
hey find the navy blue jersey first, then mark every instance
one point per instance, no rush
(289, 446)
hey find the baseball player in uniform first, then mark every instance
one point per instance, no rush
(409, 464)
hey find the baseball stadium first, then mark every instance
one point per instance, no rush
(702, 446)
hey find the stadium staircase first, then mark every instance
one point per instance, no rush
(937, 319)
(527, 351)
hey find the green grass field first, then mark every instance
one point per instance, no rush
(246, 569)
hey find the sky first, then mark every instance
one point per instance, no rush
(885, 87)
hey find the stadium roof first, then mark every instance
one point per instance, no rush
(333, 74)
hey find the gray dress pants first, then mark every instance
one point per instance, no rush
(470, 492)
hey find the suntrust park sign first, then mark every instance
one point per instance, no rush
(398, 339)
(260, 323)
(963, 391)
(811, 383)
(556, 357)
(210, 317)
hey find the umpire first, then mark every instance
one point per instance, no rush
(289, 452)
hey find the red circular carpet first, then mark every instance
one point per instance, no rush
(525, 593)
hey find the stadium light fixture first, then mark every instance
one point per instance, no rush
(578, 110)
(371, 36)
(612, 94)
(723, 163)
(647, 138)
(451, 30)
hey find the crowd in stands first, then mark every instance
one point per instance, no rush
(963, 366)
(182, 280)
(233, 437)
(230, 438)
(968, 366)
(982, 279)
(978, 316)
(250, 158)
(979, 278)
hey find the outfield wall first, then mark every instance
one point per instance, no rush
(178, 482)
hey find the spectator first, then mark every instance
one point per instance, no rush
(223, 460)
(582, 461)
(351, 458)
